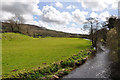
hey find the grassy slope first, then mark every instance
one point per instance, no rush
(22, 52)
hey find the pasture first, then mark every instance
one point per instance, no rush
(21, 52)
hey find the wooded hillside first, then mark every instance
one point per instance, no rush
(36, 31)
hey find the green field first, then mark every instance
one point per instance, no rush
(21, 52)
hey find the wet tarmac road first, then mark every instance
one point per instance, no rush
(98, 66)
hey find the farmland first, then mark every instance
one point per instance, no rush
(21, 52)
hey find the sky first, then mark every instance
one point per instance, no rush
(61, 15)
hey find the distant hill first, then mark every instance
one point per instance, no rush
(36, 31)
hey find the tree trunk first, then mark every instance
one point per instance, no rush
(92, 35)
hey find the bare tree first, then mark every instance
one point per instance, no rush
(92, 25)
(15, 22)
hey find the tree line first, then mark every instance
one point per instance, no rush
(16, 24)
(98, 30)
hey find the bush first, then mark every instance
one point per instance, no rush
(78, 62)
(45, 71)
(67, 63)
(54, 68)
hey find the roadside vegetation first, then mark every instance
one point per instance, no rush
(28, 57)
(113, 38)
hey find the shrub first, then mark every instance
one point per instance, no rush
(45, 71)
(54, 68)
(78, 62)
(67, 63)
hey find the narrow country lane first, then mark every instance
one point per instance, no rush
(96, 67)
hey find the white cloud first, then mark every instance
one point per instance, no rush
(99, 5)
(43, 24)
(112, 3)
(94, 5)
(70, 7)
(104, 15)
(50, 14)
(6, 16)
(67, 29)
(22, 7)
(115, 5)
(94, 15)
(76, 30)
(58, 4)
(28, 18)
(51, 18)
(79, 16)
